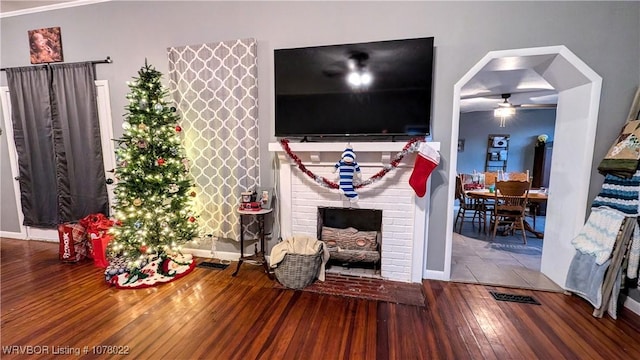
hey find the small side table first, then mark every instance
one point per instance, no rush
(258, 257)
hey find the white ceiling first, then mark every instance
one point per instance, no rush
(519, 76)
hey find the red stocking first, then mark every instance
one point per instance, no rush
(427, 160)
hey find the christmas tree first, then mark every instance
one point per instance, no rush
(153, 193)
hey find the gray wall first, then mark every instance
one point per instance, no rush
(523, 130)
(605, 35)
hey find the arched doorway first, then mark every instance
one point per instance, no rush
(578, 90)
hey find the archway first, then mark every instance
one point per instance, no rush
(578, 90)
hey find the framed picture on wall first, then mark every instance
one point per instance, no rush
(45, 45)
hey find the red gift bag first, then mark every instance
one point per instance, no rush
(100, 250)
(97, 226)
(73, 242)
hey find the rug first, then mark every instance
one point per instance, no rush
(368, 289)
(158, 271)
(517, 248)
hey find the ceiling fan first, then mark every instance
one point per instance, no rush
(540, 99)
(507, 104)
(356, 60)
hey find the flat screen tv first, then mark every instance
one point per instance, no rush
(375, 89)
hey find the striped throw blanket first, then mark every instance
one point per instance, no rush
(598, 236)
(620, 194)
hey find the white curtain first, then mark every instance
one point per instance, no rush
(216, 92)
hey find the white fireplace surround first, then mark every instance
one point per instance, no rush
(404, 215)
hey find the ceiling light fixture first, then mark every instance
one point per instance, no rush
(358, 75)
(504, 110)
(359, 78)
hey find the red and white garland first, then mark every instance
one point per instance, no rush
(410, 147)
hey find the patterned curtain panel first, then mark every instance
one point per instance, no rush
(215, 89)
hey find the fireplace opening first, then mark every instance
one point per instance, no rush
(353, 237)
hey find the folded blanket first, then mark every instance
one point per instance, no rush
(598, 235)
(620, 194)
(623, 157)
(301, 245)
(585, 277)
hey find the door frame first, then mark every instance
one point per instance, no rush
(578, 89)
(108, 155)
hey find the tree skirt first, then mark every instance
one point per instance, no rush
(158, 271)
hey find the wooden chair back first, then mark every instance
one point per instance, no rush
(459, 190)
(511, 199)
(460, 194)
(512, 196)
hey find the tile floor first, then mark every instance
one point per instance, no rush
(506, 261)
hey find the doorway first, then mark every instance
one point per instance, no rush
(478, 256)
(108, 155)
(578, 90)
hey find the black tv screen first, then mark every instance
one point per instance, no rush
(364, 89)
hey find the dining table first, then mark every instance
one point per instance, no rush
(535, 196)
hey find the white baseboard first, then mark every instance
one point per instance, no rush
(204, 253)
(13, 235)
(632, 305)
(21, 236)
(46, 239)
(435, 275)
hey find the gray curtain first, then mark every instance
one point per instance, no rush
(57, 136)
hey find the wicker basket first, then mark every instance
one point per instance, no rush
(297, 271)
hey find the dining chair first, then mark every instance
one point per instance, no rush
(532, 208)
(511, 200)
(469, 208)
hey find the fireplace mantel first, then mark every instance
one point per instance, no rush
(405, 216)
(386, 150)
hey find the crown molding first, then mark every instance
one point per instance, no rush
(38, 9)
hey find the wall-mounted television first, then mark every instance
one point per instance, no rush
(373, 89)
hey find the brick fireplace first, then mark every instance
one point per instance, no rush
(404, 215)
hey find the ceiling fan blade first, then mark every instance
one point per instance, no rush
(335, 68)
(538, 106)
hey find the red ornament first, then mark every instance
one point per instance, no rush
(160, 161)
(193, 194)
(192, 219)
(143, 249)
(178, 128)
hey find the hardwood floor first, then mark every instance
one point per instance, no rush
(209, 314)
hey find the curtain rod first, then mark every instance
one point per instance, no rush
(105, 61)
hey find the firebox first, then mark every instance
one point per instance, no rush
(353, 236)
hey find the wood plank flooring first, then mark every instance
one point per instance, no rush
(210, 314)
